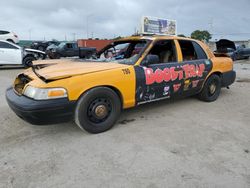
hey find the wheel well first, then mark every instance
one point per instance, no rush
(10, 40)
(110, 87)
(217, 73)
(28, 55)
(118, 93)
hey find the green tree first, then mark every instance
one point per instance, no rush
(116, 38)
(201, 35)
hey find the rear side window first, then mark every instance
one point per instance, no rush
(199, 51)
(7, 45)
(4, 32)
(191, 50)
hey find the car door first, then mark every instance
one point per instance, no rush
(75, 50)
(10, 54)
(155, 80)
(195, 66)
(69, 50)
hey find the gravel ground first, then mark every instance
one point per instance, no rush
(184, 143)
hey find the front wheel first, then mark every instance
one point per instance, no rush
(211, 89)
(98, 110)
(27, 61)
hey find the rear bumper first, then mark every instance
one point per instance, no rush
(41, 112)
(228, 78)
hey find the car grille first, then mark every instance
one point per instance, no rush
(20, 82)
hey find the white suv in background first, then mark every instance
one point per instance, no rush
(9, 36)
(12, 54)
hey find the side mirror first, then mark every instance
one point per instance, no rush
(151, 59)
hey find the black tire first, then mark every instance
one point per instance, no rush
(27, 61)
(55, 56)
(211, 89)
(97, 110)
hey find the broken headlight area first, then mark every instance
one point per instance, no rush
(20, 83)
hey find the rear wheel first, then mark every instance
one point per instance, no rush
(55, 56)
(211, 89)
(97, 110)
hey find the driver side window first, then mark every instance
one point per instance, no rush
(165, 50)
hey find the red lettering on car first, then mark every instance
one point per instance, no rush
(158, 76)
(149, 73)
(201, 70)
(167, 74)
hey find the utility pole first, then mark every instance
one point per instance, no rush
(211, 26)
(87, 24)
(74, 36)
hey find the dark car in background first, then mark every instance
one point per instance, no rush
(242, 52)
(228, 47)
(42, 45)
(69, 49)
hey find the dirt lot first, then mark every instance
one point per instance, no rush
(184, 143)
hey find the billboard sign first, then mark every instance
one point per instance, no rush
(152, 25)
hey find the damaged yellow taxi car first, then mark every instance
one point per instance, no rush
(126, 73)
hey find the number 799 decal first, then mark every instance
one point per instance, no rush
(126, 71)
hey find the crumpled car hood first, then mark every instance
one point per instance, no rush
(58, 69)
(33, 50)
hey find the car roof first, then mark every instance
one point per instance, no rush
(155, 37)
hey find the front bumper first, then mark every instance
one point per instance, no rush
(40, 112)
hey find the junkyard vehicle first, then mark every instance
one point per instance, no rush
(242, 52)
(93, 92)
(69, 49)
(235, 52)
(12, 54)
(9, 36)
(42, 45)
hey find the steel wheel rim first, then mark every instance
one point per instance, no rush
(212, 88)
(99, 110)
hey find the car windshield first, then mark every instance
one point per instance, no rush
(125, 52)
(61, 45)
